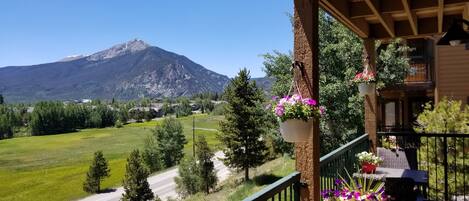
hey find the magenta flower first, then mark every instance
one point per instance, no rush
(356, 194)
(279, 110)
(309, 101)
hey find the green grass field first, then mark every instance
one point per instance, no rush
(53, 167)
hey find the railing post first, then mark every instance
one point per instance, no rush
(306, 42)
(296, 191)
(371, 106)
(445, 165)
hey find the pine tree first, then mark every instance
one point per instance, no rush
(136, 187)
(97, 172)
(171, 140)
(2, 101)
(243, 126)
(206, 170)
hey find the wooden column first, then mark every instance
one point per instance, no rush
(371, 101)
(306, 51)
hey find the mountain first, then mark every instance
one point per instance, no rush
(125, 71)
(265, 83)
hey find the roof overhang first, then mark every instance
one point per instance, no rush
(386, 19)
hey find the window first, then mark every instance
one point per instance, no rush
(390, 114)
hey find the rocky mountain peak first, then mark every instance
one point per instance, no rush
(119, 50)
(72, 57)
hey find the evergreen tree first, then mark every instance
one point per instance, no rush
(2, 101)
(49, 118)
(151, 155)
(136, 187)
(187, 183)
(243, 126)
(206, 170)
(97, 172)
(171, 140)
(8, 121)
(95, 120)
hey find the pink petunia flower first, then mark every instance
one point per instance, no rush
(279, 110)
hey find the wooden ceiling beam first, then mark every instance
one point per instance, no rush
(411, 16)
(340, 10)
(385, 19)
(426, 27)
(359, 9)
(465, 15)
(441, 5)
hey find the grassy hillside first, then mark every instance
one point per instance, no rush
(53, 167)
(233, 189)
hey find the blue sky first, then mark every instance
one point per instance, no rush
(222, 35)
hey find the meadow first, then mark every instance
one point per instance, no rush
(53, 167)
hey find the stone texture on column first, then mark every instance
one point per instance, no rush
(371, 109)
(306, 51)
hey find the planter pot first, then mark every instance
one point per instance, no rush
(296, 130)
(366, 89)
(368, 168)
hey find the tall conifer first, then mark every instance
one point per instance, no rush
(136, 186)
(97, 172)
(243, 126)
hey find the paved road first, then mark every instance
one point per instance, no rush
(162, 184)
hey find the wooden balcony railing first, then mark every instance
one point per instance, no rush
(331, 165)
(444, 156)
(420, 72)
(286, 188)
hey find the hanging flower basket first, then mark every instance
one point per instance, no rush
(296, 130)
(366, 89)
(296, 116)
(366, 82)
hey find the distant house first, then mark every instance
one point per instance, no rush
(155, 111)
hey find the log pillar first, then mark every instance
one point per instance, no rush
(306, 51)
(371, 101)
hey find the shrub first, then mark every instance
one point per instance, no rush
(119, 124)
(446, 117)
(219, 109)
(151, 155)
(187, 182)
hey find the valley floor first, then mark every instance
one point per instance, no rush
(162, 184)
(54, 167)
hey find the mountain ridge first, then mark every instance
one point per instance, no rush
(125, 71)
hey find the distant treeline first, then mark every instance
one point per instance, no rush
(53, 117)
(56, 117)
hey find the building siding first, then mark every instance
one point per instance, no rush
(452, 73)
